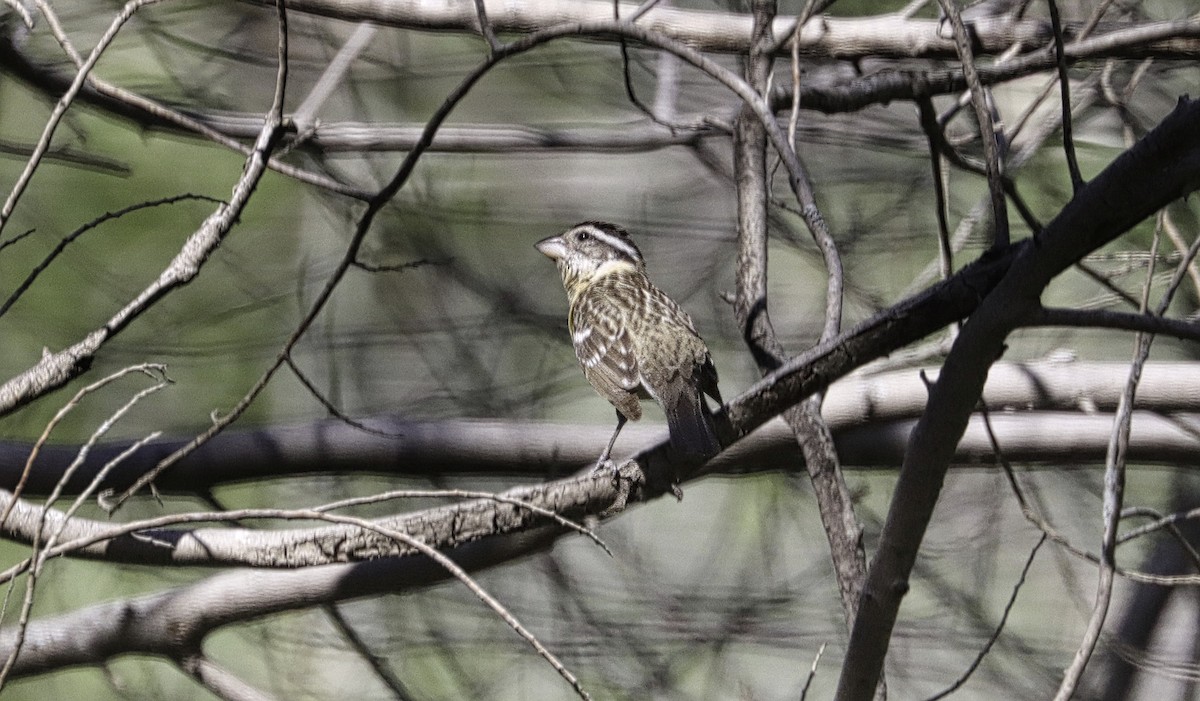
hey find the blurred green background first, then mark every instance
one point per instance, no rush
(727, 595)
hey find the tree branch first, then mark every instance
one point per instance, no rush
(174, 622)
(992, 158)
(1157, 170)
(751, 310)
(1125, 321)
(889, 35)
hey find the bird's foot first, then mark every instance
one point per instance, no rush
(604, 464)
(623, 484)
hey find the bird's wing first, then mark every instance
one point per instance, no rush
(606, 352)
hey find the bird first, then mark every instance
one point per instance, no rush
(632, 340)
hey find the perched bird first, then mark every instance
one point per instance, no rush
(632, 339)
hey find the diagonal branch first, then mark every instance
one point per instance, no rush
(1157, 170)
(56, 369)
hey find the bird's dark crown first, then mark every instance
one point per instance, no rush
(603, 241)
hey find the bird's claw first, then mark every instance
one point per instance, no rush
(603, 464)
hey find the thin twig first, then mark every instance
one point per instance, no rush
(912, 8)
(987, 129)
(461, 575)
(104, 471)
(419, 546)
(1114, 494)
(56, 369)
(978, 212)
(1106, 319)
(95, 223)
(794, 114)
(161, 113)
(332, 408)
(1064, 82)
(305, 116)
(1057, 537)
(642, 9)
(812, 672)
(486, 29)
(400, 267)
(1164, 523)
(1173, 233)
(1094, 20)
(1181, 270)
(627, 77)
(38, 555)
(933, 133)
(1159, 523)
(1102, 279)
(8, 242)
(268, 138)
(987, 647)
(149, 369)
(377, 663)
(22, 12)
(64, 102)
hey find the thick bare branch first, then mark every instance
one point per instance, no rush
(832, 37)
(875, 416)
(863, 412)
(1156, 171)
(174, 622)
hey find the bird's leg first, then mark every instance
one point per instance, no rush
(607, 451)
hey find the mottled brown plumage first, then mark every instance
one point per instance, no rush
(633, 340)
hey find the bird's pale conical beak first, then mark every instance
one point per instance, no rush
(553, 247)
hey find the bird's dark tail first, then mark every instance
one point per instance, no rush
(692, 434)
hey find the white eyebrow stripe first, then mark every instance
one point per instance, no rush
(614, 242)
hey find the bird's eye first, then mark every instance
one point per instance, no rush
(584, 236)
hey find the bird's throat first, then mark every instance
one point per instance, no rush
(576, 281)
